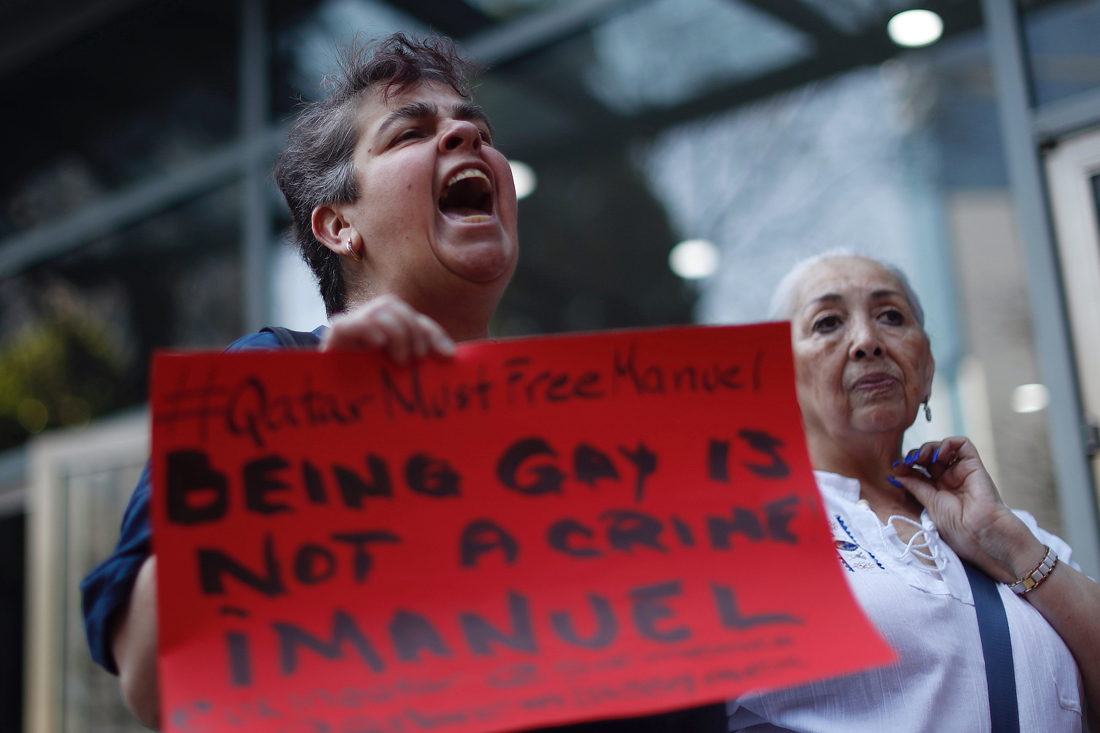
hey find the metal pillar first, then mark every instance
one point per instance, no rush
(256, 215)
(1076, 496)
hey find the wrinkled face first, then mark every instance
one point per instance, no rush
(863, 363)
(437, 206)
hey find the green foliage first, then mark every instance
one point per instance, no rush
(61, 370)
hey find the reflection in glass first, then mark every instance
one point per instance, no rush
(76, 333)
(848, 16)
(506, 9)
(666, 52)
(1063, 43)
(903, 163)
(312, 45)
(136, 98)
(780, 180)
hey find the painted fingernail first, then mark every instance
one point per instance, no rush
(895, 464)
(895, 482)
(912, 456)
(935, 455)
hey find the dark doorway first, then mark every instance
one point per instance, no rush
(12, 559)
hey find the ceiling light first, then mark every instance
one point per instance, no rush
(693, 259)
(1030, 398)
(525, 178)
(915, 28)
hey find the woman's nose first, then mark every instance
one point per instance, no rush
(865, 341)
(460, 133)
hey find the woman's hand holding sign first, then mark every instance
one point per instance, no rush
(387, 323)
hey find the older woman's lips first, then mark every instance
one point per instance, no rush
(875, 383)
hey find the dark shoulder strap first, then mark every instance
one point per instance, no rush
(293, 339)
(1000, 674)
(706, 719)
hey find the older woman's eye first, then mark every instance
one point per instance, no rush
(826, 324)
(893, 317)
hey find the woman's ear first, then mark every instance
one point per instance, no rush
(331, 228)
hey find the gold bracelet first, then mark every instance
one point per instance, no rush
(1032, 580)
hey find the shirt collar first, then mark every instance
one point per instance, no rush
(841, 486)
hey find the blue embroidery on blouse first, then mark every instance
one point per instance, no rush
(845, 528)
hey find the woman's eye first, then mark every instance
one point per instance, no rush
(826, 324)
(893, 317)
(410, 134)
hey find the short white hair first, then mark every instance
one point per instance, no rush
(782, 305)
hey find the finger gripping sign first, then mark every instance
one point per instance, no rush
(535, 532)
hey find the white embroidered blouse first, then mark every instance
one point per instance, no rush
(927, 614)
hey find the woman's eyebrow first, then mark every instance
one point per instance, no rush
(425, 110)
(827, 298)
(887, 294)
(415, 111)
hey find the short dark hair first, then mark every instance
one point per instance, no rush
(316, 166)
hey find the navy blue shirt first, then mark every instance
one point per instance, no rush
(107, 588)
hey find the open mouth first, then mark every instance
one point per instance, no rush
(467, 197)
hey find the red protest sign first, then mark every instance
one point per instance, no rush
(538, 531)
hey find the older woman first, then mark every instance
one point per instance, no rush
(904, 525)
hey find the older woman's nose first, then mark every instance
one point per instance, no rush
(865, 342)
(461, 133)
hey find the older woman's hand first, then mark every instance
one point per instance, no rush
(389, 324)
(971, 517)
(964, 503)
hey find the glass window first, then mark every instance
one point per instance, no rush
(504, 9)
(849, 16)
(307, 45)
(666, 52)
(902, 162)
(117, 107)
(1063, 42)
(77, 333)
(594, 249)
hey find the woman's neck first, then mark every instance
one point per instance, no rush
(868, 459)
(464, 324)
